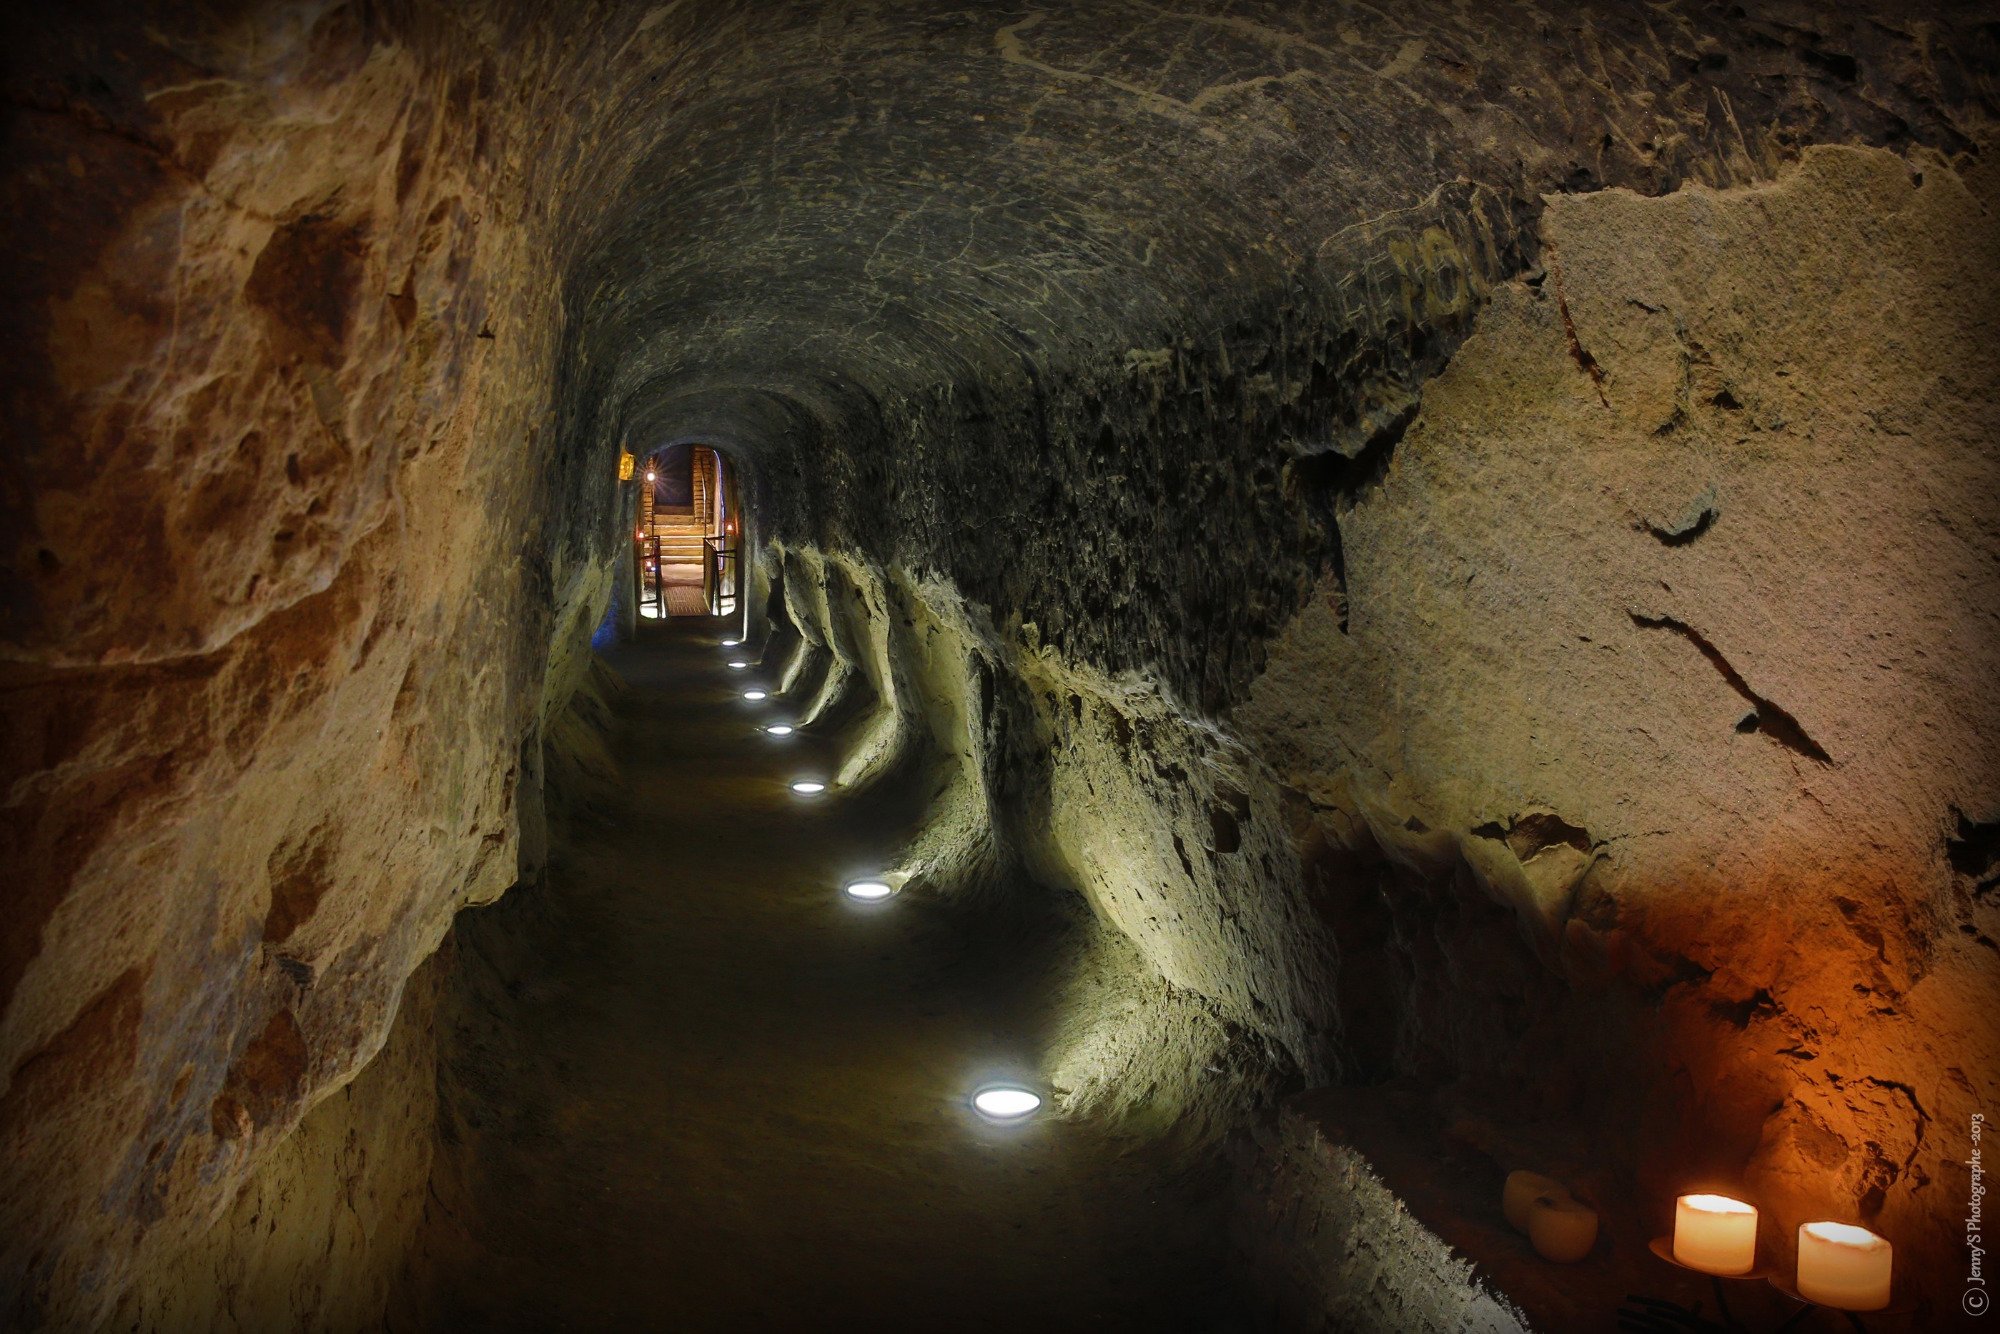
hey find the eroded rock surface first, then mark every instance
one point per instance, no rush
(1691, 661)
(281, 585)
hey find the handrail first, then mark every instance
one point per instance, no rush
(718, 556)
(652, 591)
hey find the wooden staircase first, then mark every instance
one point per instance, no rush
(681, 583)
(681, 530)
(680, 537)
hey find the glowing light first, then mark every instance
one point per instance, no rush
(779, 729)
(731, 643)
(650, 475)
(1715, 1234)
(1846, 1234)
(1006, 1102)
(739, 664)
(756, 694)
(869, 891)
(807, 787)
(1843, 1266)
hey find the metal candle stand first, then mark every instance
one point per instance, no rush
(1853, 1317)
(1654, 1315)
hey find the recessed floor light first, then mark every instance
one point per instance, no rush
(731, 643)
(780, 729)
(806, 787)
(756, 694)
(869, 891)
(1006, 1102)
(739, 664)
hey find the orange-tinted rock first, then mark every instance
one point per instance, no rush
(1757, 735)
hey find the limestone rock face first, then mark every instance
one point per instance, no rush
(280, 588)
(1682, 592)
(320, 1234)
(1460, 535)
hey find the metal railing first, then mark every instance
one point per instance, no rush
(651, 578)
(719, 574)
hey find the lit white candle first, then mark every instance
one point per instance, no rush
(1715, 1234)
(1844, 1266)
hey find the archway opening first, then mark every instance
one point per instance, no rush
(688, 544)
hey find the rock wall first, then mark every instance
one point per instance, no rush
(489, 958)
(1681, 590)
(319, 1236)
(1196, 986)
(1273, 228)
(1329, 1241)
(283, 578)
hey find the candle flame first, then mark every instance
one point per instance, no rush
(1844, 1234)
(1717, 1204)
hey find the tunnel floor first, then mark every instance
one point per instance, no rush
(723, 1097)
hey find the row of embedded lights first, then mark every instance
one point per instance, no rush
(1841, 1266)
(999, 1103)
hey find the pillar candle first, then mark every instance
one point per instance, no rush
(1520, 1194)
(1562, 1228)
(1844, 1266)
(1715, 1234)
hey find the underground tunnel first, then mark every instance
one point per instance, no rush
(882, 665)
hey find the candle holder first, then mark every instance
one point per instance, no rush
(1664, 1248)
(1900, 1303)
(1655, 1316)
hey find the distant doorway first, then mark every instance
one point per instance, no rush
(687, 552)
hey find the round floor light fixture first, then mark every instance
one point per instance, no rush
(756, 694)
(737, 664)
(1006, 1103)
(868, 891)
(808, 787)
(779, 729)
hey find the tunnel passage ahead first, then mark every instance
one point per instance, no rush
(690, 1086)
